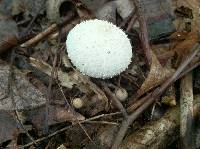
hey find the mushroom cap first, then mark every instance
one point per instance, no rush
(121, 94)
(78, 103)
(99, 49)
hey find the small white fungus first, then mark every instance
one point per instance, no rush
(121, 94)
(77, 103)
(99, 49)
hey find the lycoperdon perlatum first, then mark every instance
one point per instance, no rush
(99, 48)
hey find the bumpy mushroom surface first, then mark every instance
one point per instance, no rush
(99, 49)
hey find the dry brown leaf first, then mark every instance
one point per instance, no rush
(169, 97)
(72, 78)
(100, 93)
(8, 127)
(64, 78)
(26, 96)
(184, 48)
(178, 36)
(57, 114)
(195, 6)
(155, 77)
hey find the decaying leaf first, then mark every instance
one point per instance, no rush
(57, 114)
(72, 78)
(160, 133)
(106, 134)
(169, 97)
(156, 75)
(184, 48)
(64, 78)
(26, 96)
(62, 147)
(8, 126)
(93, 105)
(194, 5)
(15, 7)
(157, 134)
(8, 27)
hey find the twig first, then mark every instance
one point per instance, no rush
(44, 138)
(67, 127)
(102, 115)
(144, 33)
(82, 127)
(138, 103)
(48, 99)
(102, 122)
(93, 87)
(53, 74)
(155, 95)
(116, 101)
(22, 126)
(186, 112)
(46, 32)
(8, 43)
(132, 22)
(189, 69)
(161, 133)
(13, 41)
(11, 95)
(61, 90)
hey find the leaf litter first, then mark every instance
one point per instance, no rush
(95, 123)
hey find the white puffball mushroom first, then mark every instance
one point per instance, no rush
(77, 103)
(99, 49)
(121, 94)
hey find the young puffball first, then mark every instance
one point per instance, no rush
(78, 103)
(121, 94)
(99, 49)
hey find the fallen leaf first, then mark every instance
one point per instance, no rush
(178, 36)
(184, 47)
(57, 114)
(26, 96)
(155, 77)
(15, 7)
(194, 5)
(64, 78)
(72, 78)
(8, 127)
(169, 97)
(8, 28)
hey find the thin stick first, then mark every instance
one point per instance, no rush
(155, 95)
(11, 95)
(22, 126)
(67, 127)
(163, 132)
(138, 103)
(46, 32)
(131, 23)
(10, 42)
(102, 122)
(186, 112)
(116, 101)
(82, 127)
(144, 33)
